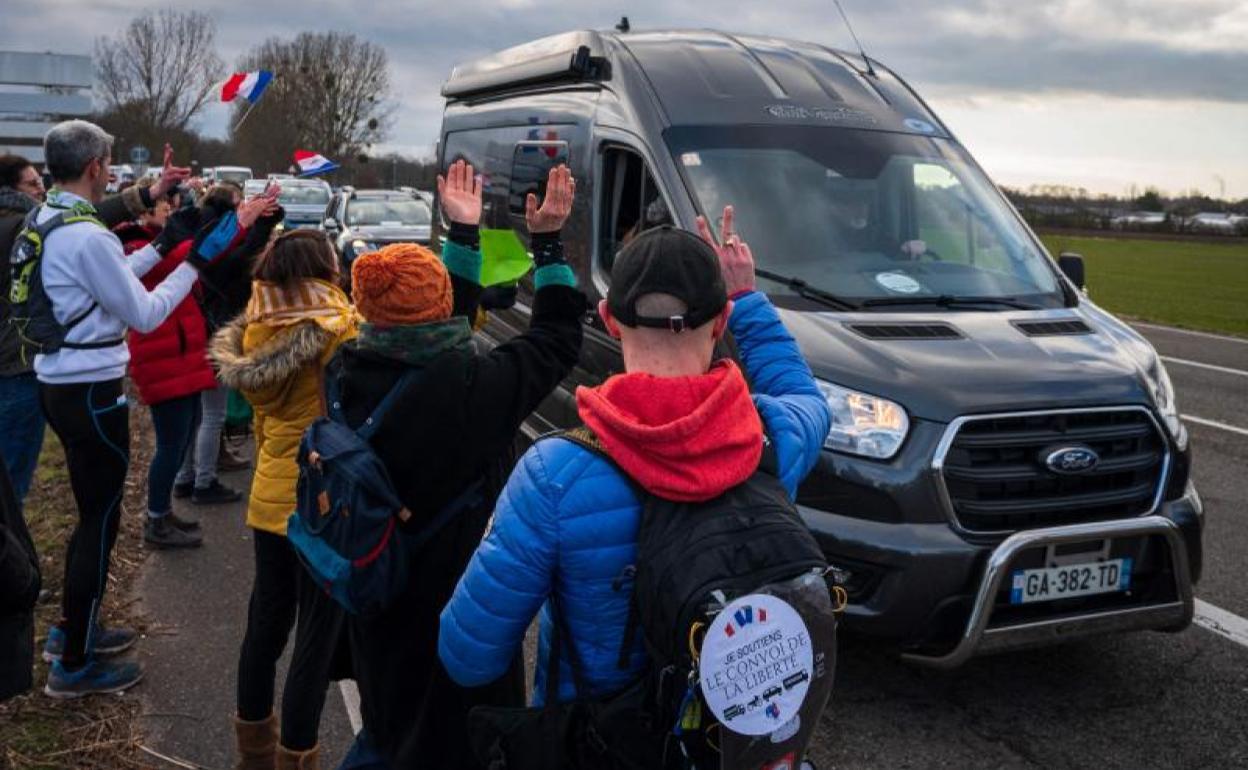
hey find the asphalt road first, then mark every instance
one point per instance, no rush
(1138, 700)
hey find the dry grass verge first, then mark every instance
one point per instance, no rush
(99, 732)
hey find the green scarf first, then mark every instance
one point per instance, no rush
(415, 344)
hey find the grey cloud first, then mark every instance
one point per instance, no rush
(966, 47)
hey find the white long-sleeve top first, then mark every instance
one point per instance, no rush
(84, 263)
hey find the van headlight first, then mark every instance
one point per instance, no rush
(1163, 398)
(863, 424)
(359, 246)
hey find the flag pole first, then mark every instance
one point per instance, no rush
(239, 124)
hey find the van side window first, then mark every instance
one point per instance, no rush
(631, 202)
(530, 164)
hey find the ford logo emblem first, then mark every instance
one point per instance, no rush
(1072, 460)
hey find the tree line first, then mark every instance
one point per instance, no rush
(330, 94)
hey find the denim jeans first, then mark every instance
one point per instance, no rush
(21, 429)
(200, 465)
(174, 421)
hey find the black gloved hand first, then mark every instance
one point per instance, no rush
(180, 226)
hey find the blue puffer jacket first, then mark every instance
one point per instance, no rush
(566, 526)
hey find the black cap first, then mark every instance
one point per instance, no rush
(667, 260)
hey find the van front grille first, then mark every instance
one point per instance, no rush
(997, 474)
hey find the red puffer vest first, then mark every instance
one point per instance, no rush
(170, 361)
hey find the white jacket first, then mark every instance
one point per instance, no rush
(84, 263)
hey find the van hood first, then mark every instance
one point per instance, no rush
(992, 366)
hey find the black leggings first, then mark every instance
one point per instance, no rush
(283, 591)
(92, 420)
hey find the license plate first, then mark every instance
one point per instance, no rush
(1040, 585)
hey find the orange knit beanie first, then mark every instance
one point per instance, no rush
(403, 283)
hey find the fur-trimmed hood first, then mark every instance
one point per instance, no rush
(267, 370)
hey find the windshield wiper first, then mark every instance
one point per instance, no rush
(806, 291)
(950, 301)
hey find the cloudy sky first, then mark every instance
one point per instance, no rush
(1103, 94)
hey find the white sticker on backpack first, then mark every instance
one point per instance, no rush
(756, 664)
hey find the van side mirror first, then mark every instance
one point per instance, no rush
(330, 224)
(1071, 265)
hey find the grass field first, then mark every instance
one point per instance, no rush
(1193, 284)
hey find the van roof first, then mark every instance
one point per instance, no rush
(707, 77)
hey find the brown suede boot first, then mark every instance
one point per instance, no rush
(298, 760)
(257, 742)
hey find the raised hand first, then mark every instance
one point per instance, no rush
(735, 259)
(460, 194)
(252, 209)
(560, 191)
(170, 175)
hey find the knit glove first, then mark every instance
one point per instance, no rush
(180, 226)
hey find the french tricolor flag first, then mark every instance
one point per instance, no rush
(312, 163)
(248, 85)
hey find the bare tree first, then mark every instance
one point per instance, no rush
(164, 65)
(328, 94)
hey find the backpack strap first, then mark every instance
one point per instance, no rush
(69, 216)
(373, 421)
(562, 637)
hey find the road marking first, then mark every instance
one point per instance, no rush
(1215, 424)
(1221, 622)
(1159, 327)
(1211, 367)
(351, 699)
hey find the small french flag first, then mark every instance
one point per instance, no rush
(311, 163)
(248, 85)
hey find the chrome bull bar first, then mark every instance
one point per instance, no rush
(979, 638)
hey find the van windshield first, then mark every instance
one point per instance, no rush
(869, 216)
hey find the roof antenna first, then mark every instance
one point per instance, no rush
(854, 35)
(623, 26)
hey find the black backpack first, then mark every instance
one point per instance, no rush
(33, 320)
(693, 561)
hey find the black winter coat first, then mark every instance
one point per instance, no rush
(19, 590)
(457, 423)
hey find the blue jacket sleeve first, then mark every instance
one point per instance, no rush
(795, 412)
(506, 582)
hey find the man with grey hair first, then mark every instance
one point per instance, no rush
(94, 295)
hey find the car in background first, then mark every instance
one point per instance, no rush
(1215, 222)
(303, 199)
(233, 174)
(424, 195)
(281, 176)
(359, 221)
(120, 175)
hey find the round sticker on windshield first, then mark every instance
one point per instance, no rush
(756, 664)
(898, 282)
(914, 124)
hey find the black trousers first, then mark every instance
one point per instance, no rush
(92, 420)
(284, 596)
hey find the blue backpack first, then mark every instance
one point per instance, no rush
(345, 527)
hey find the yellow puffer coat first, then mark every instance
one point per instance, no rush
(279, 370)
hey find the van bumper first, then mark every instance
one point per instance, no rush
(936, 593)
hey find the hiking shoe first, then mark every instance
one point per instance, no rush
(215, 493)
(163, 533)
(186, 525)
(97, 676)
(105, 642)
(227, 460)
(183, 490)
